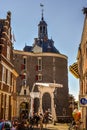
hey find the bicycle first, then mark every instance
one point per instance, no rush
(72, 126)
(75, 125)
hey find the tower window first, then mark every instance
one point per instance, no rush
(24, 60)
(44, 29)
(39, 64)
(39, 77)
(40, 29)
(36, 77)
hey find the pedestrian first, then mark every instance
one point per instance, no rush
(41, 121)
(31, 123)
(2, 124)
(13, 127)
(46, 119)
(20, 126)
(25, 126)
(36, 119)
(7, 125)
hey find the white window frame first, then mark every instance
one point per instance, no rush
(25, 58)
(39, 77)
(39, 64)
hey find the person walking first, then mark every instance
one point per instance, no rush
(46, 119)
(36, 119)
(13, 127)
(41, 121)
(2, 124)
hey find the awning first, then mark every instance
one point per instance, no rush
(74, 69)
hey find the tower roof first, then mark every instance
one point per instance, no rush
(42, 41)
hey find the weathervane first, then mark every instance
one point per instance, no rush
(41, 5)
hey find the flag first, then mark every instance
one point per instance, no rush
(14, 40)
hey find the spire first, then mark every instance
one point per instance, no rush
(41, 5)
(42, 26)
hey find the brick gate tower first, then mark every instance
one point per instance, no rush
(43, 63)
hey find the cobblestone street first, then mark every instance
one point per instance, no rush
(58, 126)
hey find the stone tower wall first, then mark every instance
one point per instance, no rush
(54, 67)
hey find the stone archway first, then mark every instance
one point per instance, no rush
(20, 101)
(34, 96)
(50, 91)
(24, 112)
(46, 101)
(36, 104)
(44, 88)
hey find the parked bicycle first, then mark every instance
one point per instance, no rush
(75, 125)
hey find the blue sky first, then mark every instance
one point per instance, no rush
(65, 21)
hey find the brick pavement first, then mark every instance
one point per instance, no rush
(58, 126)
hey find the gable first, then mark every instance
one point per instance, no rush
(37, 49)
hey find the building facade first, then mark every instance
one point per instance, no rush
(7, 73)
(42, 63)
(79, 69)
(82, 68)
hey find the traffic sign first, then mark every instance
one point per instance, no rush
(83, 100)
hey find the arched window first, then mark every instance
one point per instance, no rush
(40, 29)
(44, 29)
